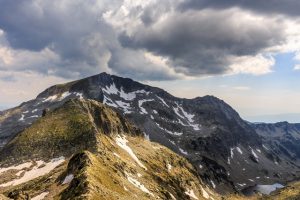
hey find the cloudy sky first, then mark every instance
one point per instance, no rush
(245, 52)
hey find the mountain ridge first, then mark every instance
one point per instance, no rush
(206, 130)
(109, 160)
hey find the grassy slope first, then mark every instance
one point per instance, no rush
(90, 128)
(64, 131)
(104, 174)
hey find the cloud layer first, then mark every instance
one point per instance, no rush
(145, 39)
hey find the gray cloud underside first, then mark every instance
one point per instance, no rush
(80, 42)
(286, 7)
(201, 43)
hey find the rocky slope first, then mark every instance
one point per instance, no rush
(283, 136)
(226, 151)
(85, 150)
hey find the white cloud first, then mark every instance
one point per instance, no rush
(297, 67)
(256, 65)
(241, 88)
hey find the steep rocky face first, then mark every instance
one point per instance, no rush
(227, 152)
(85, 150)
(283, 138)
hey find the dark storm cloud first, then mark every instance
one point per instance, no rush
(286, 7)
(71, 38)
(202, 43)
(73, 30)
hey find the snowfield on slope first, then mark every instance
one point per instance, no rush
(40, 196)
(40, 169)
(122, 142)
(137, 184)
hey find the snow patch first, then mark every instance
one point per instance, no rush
(50, 98)
(259, 151)
(137, 184)
(19, 173)
(189, 117)
(172, 196)
(172, 142)
(176, 110)
(213, 184)
(40, 196)
(64, 95)
(16, 167)
(125, 106)
(68, 179)
(231, 152)
(142, 109)
(191, 193)
(117, 155)
(266, 148)
(254, 154)
(34, 116)
(22, 118)
(35, 110)
(163, 101)
(109, 102)
(239, 150)
(127, 96)
(204, 193)
(170, 132)
(131, 95)
(79, 94)
(122, 142)
(112, 89)
(228, 160)
(147, 137)
(169, 166)
(183, 151)
(36, 171)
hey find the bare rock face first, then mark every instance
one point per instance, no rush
(228, 153)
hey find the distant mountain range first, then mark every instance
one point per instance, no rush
(228, 153)
(289, 117)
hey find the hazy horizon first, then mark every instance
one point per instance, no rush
(263, 118)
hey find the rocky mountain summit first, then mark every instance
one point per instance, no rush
(228, 153)
(85, 150)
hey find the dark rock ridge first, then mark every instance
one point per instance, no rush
(228, 152)
(282, 136)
